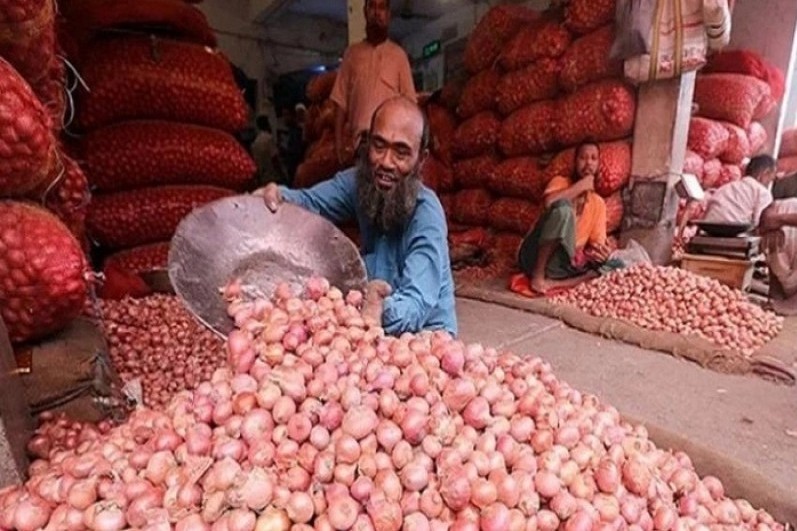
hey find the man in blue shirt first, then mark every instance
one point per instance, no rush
(402, 224)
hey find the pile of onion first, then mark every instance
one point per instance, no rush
(322, 422)
(674, 300)
(155, 340)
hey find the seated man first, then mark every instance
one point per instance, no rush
(402, 223)
(744, 200)
(779, 229)
(573, 225)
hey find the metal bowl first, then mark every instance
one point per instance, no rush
(723, 230)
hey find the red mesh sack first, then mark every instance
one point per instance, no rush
(149, 153)
(749, 63)
(615, 168)
(27, 145)
(442, 125)
(479, 93)
(729, 97)
(51, 91)
(436, 175)
(452, 92)
(519, 177)
(66, 194)
(562, 164)
(120, 283)
(477, 135)
(757, 137)
(472, 206)
(738, 146)
(86, 18)
(728, 174)
(43, 284)
(496, 27)
(142, 259)
(787, 165)
(587, 60)
(693, 163)
(712, 174)
(583, 16)
(599, 111)
(128, 219)
(474, 172)
(614, 212)
(320, 87)
(476, 237)
(321, 162)
(140, 78)
(530, 130)
(707, 138)
(29, 44)
(534, 42)
(527, 85)
(514, 215)
(507, 243)
(788, 142)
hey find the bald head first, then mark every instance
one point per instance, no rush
(400, 116)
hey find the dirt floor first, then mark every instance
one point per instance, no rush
(740, 428)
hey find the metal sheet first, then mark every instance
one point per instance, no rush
(239, 238)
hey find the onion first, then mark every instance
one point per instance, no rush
(342, 512)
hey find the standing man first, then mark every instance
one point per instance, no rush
(265, 153)
(403, 226)
(372, 71)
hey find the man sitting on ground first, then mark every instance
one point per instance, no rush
(744, 200)
(571, 231)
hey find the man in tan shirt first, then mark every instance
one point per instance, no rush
(372, 72)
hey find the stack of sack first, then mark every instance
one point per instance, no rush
(155, 119)
(44, 273)
(541, 83)
(733, 93)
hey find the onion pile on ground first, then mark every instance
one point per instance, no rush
(674, 300)
(156, 340)
(322, 422)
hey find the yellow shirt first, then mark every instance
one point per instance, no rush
(591, 221)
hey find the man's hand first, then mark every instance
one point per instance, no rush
(271, 195)
(375, 293)
(587, 184)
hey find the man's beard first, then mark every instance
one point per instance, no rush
(375, 34)
(388, 211)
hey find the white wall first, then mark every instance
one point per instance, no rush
(769, 30)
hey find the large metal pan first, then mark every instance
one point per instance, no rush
(239, 238)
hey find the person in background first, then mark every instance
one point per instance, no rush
(402, 223)
(301, 118)
(291, 143)
(744, 200)
(778, 226)
(572, 230)
(266, 154)
(372, 71)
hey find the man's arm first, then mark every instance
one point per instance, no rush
(587, 184)
(333, 199)
(417, 291)
(598, 235)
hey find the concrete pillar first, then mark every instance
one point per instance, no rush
(16, 423)
(356, 20)
(660, 133)
(769, 28)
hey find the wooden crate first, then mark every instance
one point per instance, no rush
(734, 273)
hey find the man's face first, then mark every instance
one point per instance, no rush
(394, 146)
(767, 176)
(587, 161)
(377, 17)
(389, 171)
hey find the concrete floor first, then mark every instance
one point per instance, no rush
(743, 418)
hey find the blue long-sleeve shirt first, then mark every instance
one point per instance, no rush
(415, 262)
